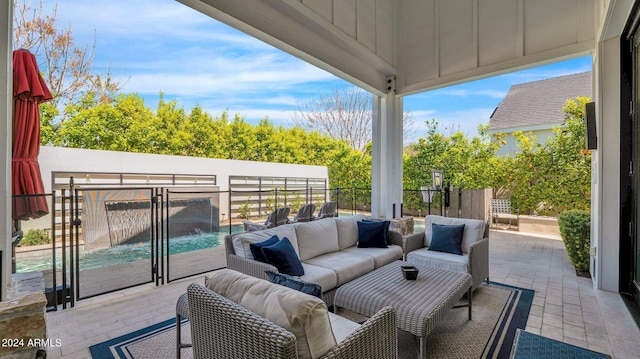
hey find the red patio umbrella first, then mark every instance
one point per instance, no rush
(29, 90)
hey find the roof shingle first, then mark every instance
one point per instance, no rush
(539, 102)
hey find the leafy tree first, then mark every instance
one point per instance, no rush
(549, 178)
(66, 66)
(117, 126)
(466, 163)
(344, 114)
(126, 124)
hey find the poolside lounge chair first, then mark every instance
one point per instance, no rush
(305, 213)
(278, 217)
(328, 209)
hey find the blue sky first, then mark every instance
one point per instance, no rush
(162, 45)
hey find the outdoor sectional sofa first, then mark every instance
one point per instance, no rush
(327, 249)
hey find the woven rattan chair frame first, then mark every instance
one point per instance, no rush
(182, 311)
(223, 329)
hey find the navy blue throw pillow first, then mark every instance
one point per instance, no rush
(295, 283)
(372, 234)
(256, 248)
(282, 256)
(446, 238)
(386, 230)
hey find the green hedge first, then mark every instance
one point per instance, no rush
(35, 237)
(575, 229)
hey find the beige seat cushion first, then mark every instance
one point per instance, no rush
(442, 260)
(303, 315)
(342, 327)
(381, 256)
(325, 277)
(347, 266)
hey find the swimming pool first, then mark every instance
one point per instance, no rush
(28, 261)
(126, 253)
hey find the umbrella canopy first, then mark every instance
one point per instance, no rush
(29, 90)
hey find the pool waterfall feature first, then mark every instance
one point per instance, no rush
(116, 217)
(129, 221)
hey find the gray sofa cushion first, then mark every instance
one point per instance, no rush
(473, 229)
(381, 256)
(348, 230)
(325, 277)
(241, 241)
(443, 260)
(347, 266)
(316, 238)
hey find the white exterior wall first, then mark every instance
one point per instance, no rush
(511, 146)
(72, 159)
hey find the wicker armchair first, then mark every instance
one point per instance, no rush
(475, 248)
(223, 329)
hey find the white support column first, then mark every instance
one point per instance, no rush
(6, 90)
(386, 182)
(605, 207)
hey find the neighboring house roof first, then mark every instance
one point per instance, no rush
(539, 102)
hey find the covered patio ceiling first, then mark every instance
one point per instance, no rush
(424, 44)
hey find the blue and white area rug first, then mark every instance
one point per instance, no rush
(498, 311)
(532, 346)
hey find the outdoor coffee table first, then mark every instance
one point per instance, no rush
(420, 304)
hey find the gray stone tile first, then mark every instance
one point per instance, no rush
(532, 330)
(534, 321)
(552, 332)
(571, 299)
(573, 319)
(552, 320)
(553, 309)
(572, 309)
(576, 342)
(574, 332)
(536, 310)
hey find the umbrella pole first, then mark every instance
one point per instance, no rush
(16, 236)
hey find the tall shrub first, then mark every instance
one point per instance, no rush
(575, 229)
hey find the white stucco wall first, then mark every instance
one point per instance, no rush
(57, 159)
(72, 159)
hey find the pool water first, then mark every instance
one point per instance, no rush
(103, 257)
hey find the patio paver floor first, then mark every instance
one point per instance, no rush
(565, 307)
